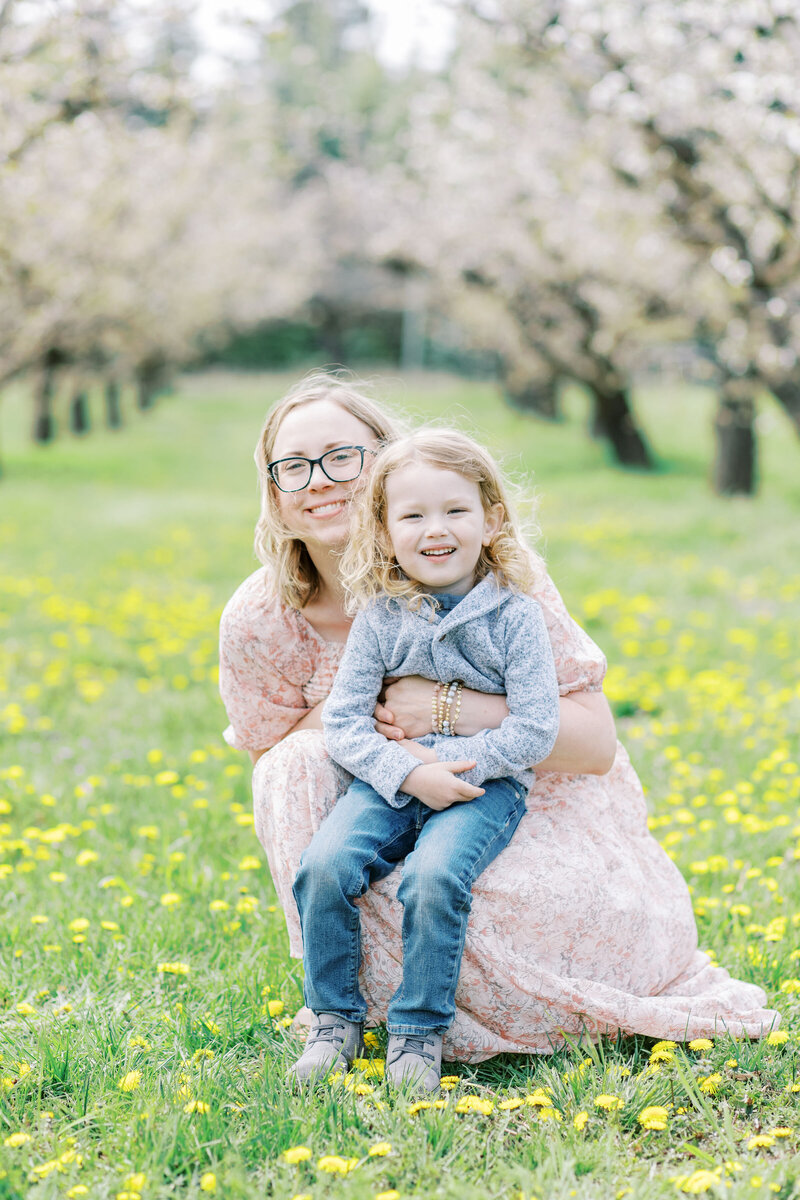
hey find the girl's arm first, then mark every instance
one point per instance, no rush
(586, 742)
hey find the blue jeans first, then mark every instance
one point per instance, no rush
(362, 840)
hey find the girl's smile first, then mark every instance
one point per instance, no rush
(438, 526)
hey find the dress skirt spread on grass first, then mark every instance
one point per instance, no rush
(582, 925)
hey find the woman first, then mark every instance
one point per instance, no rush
(582, 924)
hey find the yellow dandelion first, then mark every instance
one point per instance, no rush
(792, 1087)
(609, 1103)
(778, 1037)
(510, 1104)
(335, 1164)
(170, 900)
(196, 1106)
(79, 925)
(14, 1140)
(80, 1189)
(701, 1044)
(579, 1120)
(417, 1107)
(380, 1150)
(698, 1182)
(759, 1141)
(392, 1194)
(661, 1056)
(26, 1010)
(208, 1182)
(275, 1007)
(709, 1084)
(475, 1104)
(136, 1182)
(654, 1117)
(296, 1154)
(249, 863)
(663, 1046)
(173, 968)
(130, 1082)
(782, 1131)
(371, 1040)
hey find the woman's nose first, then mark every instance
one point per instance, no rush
(318, 478)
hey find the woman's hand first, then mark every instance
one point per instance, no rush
(404, 708)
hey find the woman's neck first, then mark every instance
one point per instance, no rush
(326, 563)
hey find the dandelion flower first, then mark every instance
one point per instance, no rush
(380, 1150)
(760, 1140)
(417, 1107)
(173, 968)
(196, 1106)
(334, 1164)
(136, 1182)
(709, 1084)
(579, 1120)
(475, 1104)
(371, 1040)
(510, 1104)
(701, 1044)
(296, 1154)
(782, 1131)
(170, 900)
(698, 1182)
(208, 1182)
(392, 1194)
(275, 1007)
(654, 1117)
(130, 1082)
(609, 1103)
(15, 1140)
(778, 1037)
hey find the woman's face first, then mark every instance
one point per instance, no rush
(319, 515)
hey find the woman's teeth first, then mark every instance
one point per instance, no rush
(334, 506)
(439, 553)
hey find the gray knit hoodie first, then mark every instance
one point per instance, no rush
(494, 640)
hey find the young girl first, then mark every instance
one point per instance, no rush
(438, 570)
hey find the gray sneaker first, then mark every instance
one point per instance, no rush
(332, 1042)
(415, 1061)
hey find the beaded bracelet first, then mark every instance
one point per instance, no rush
(457, 712)
(452, 691)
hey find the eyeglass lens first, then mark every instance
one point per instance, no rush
(340, 465)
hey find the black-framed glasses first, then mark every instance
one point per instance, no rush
(339, 465)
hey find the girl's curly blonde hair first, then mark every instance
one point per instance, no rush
(369, 568)
(292, 573)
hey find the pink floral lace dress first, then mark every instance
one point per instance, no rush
(582, 925)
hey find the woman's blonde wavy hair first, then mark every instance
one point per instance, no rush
(369, 568)
(292, 573)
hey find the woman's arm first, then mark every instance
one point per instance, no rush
(310, 720)
(586, 742)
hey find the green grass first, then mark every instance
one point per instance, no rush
(124, 818)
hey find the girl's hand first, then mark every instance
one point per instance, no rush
(437, 784)
(404, 709)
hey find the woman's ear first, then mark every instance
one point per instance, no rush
(493, 523)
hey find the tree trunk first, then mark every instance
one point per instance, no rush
(735, 459)
(613, 420)
(113, 407)
(539, 396)
(44, 425)
(79, 412)
(788, 396)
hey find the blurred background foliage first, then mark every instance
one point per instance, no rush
(592, 195)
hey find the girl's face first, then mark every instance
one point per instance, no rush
(437, 526)
(319, 514)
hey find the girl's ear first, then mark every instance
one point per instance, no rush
(493, 523)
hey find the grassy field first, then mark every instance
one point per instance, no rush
(147, 991)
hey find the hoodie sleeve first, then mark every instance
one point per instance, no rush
(528, 733)
(350, 734)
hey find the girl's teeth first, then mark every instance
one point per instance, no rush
(436, 553)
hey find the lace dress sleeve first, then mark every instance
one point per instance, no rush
(264, 661)
(580, 663)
